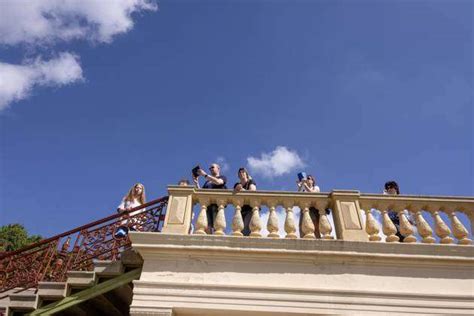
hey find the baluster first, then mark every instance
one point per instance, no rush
(441, 229)
(324, 224)
(237, 221)
(201, 222)
(406, 228)
(459, 231)
(388, 228)
(371, 226)
(255, 222)
(424, 229)
(272, 225)
(290, 227)
(307, 225)
(219, 222)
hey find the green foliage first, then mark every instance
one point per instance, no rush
(15, 236)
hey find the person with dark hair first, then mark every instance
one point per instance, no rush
(213, 181)
(309, 185)
(245, 183)
(392, 188)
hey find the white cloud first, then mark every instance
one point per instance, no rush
(279, 162)
(45, 21)
(41, 23)
(222, 162)
(17, 81)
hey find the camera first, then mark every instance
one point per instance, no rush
(196, 170)
(302, 176)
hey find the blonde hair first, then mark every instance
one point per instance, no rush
(131, 194)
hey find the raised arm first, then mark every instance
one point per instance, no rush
(299, 184)
(196, 182)
(214, 179)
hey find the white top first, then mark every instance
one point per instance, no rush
(302, 188)
(130, 204)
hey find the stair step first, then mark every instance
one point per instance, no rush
(131, 259)
(107, 269)
(22, 302)
(81, 279)
(51, 290)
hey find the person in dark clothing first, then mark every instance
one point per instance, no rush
(213, 181)
(391, 188)
(245, 183)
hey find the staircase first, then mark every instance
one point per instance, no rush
(107, 290)
(85, 271)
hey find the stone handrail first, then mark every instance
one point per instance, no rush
(414, 206)
(354, 215)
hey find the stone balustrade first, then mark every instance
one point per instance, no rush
(257, 200)
(356, 216)
(420, 218)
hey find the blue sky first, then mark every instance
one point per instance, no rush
(359, 92)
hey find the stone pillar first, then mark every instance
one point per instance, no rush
(179, 211)
(347, 215)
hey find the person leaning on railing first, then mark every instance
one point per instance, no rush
(392, 188)
(308, 184)
(134, 198)
(246, 183)
(213, 181)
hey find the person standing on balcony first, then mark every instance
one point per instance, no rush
(213, 181)
(391, 188)
(245, 183)
(134, 198)
(183, 182)
(308, 184)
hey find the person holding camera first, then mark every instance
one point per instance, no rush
(213, 181)
(307, 183)
(245, 183)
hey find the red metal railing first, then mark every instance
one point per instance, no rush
(50, 259)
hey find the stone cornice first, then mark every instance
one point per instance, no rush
(313, 251)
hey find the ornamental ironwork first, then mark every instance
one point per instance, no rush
(77, 249)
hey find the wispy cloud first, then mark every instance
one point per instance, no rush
(276, 163)
(17, 81)
(39, 24)
(221, 161)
